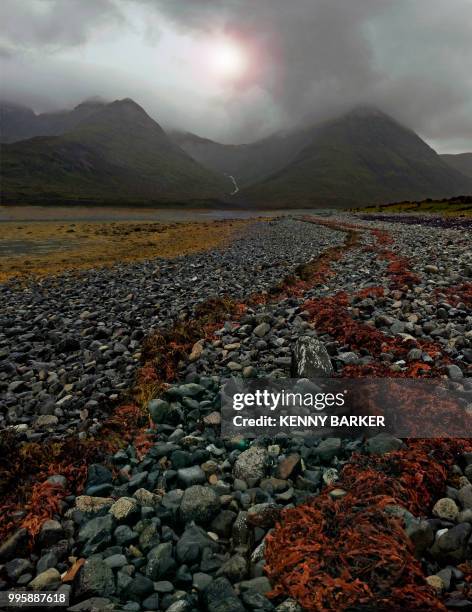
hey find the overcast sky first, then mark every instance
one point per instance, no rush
(235, 70)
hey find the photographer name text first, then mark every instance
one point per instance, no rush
(318, 420)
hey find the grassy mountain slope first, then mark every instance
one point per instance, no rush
(461, 162)
(117, 152)
(248, 163)
(362, 157)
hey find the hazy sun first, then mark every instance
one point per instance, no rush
(227, 60)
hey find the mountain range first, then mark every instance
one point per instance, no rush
(100, 153)
(364, 156)
(116, 153)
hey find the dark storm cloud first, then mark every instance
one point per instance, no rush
(409, 58)
(53, 23)
(315, 51)
(312, 59)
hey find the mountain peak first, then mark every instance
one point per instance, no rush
(107, 152)
(128, 110)
(95, 102)
(127, 103)
(367, 111)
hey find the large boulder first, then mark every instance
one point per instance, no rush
(160, 561)
(219, 596)
(199, 504)
(251, 464)
(96, 578)
(310, 359)
(96, 534)
(191, 545)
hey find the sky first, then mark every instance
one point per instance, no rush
(238, 70)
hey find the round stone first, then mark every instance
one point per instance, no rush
(446, 508)
(199, 504)
(435, 582)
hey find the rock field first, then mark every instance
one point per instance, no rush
(185, 526)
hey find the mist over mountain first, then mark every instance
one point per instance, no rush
(100, 152)
(18, 122)
(248, 163)
(461, 162)
(115, 152)
(303, 61)
(362, 156)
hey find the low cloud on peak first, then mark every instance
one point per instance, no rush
(307, 60)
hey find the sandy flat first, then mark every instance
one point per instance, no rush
(43, 248)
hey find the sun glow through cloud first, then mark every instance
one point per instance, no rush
(227, 60)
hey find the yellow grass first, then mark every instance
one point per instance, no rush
(85, 245)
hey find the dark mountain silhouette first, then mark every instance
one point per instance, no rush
(105, 152)
(460, 161)
(364, 156)
(19, 123)
(248, 163)
(115, 152)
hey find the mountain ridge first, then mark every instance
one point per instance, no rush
(114, 151)
(247, 162)
(459, 161)
(363, 156)
(21, 123)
